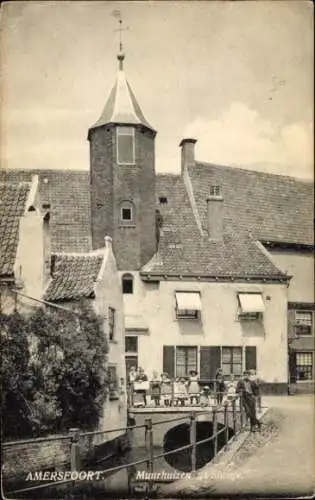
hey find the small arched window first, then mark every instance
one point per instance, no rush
(127, 213)
(127, 284)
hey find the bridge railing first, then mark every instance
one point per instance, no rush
(233, 418)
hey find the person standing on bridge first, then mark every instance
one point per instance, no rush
(141, 383)
(156, 388)
(248, 390)
(193, 387)
(219, 385)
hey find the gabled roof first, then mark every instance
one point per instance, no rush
(122, 106)
(13, 199)
(271, 207)
(74, 276)
(68, 194)
(184, 251)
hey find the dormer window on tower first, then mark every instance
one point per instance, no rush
(216, 190)
(125, 145)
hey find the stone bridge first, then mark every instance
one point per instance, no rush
(164, 419)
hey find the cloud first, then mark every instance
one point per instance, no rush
(242, 137)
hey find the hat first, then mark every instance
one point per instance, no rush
(206, 387)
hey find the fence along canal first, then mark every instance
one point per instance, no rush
(232, 419)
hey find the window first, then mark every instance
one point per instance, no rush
(163, 200)
(131, 353)
(188, 305)
(303, 322)
(215, 190)
(112, 382)
(232, 360)
(250, 306)
(125, 145)
(304, 365)
(111, 323)
(186, 360)
(127, 213)
(131, 344)
(127, 284)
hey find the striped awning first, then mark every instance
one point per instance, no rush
(251, 302)
(188, 301)
(135, 323)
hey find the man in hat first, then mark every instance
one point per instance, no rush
(248, 390)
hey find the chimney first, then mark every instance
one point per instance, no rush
(108, 242)
(215, 213)
(188, 153)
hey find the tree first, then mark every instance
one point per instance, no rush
(15, 413)
(65, 365)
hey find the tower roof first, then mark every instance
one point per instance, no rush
(122, 106)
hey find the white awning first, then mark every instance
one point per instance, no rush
(188, 301)
(133, 322)
(251, 302)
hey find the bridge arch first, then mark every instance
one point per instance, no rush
(179, 435)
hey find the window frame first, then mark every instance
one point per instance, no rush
(111, 323)
(251, 316)
(187, 369)
(296, 325)
(308, 367)
(130, 133)
(112, 377)
(136, 351)
(190, 314)
(232, 363)
(215, 191)
(127, 278)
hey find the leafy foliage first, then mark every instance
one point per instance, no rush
(61, 368)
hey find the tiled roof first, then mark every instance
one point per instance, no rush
(67, 193)
(184, 251)
(272, 207)
(122, 106)
(13, 199)
(74, 276)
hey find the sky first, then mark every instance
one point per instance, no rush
(236, 76)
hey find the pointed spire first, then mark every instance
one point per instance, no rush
(122, 106)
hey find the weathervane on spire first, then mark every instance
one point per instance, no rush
(120, 29)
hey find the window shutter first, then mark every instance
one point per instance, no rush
(205, 362)
(291, 323)
(168, 359)
(292, 366)
(250, 358)
(214, 360)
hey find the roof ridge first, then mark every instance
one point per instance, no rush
(259, 172)
(93, 253)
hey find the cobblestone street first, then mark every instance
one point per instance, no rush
(275, 462)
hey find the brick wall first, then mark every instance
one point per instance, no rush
(20, 459)
(111, 184)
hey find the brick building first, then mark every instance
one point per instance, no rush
(215, 263)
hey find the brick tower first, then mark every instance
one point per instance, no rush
(122, 172)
